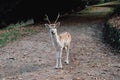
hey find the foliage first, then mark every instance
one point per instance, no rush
(112, 32)
(20, 24)
(15, 31)
(11, 11)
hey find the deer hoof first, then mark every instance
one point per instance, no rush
(56, 67)
(67, 62)
(60, 67)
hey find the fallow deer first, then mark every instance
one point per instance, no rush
(60, 42)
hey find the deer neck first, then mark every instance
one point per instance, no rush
(55, 39)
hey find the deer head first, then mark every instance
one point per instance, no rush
(53, 26)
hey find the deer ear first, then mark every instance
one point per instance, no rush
(57, 24)
(47, 26)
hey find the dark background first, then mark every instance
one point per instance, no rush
(12, 11)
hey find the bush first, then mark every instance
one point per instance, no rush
(111, 33)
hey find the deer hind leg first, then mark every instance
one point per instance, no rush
(67, 54)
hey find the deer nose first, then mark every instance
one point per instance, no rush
(52, 32)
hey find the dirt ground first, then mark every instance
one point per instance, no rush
(33, 57)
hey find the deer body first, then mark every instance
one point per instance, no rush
(60, 42)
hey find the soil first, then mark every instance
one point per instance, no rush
(33, 57)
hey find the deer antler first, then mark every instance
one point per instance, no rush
(57, 18)
(47, 18)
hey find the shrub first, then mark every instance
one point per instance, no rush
(111, 32)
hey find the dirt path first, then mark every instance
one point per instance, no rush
(33, 57)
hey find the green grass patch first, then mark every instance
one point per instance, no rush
(112, 3)
(15, 34)
(92, 11)
(8, 36)
(15, 31)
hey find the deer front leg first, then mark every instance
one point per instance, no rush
(57, 60)
(61, 50)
